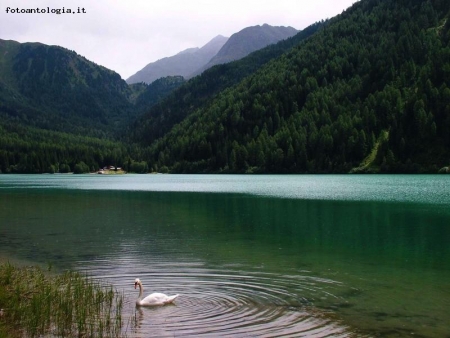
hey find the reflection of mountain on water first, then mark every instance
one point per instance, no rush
(228, 228)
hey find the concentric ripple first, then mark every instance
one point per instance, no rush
(227, 303)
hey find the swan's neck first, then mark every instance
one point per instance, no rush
(141, 290)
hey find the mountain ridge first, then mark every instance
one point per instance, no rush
(181, 64)
(193, 61)
(246, 41)
(364, 82)
(199, 90)
(366, 91)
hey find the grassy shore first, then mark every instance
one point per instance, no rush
(34, 303)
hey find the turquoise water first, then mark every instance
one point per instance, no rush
(250, 255)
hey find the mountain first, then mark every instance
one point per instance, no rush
(194, 61)
(59, 110)
(366, 91)
(53, 88)
(199, 91)
(369, 92)
(181, 64)
(247, 41)
(156, 91)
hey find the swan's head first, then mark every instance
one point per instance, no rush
(137, 282)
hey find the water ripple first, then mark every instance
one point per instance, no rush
(226, 303)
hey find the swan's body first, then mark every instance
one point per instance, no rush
(152, 299)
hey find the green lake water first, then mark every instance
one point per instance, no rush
(250, 256)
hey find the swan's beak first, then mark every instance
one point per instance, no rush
(135, 285)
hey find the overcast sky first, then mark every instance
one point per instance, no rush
(127, 35)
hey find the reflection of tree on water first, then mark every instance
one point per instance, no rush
(344, 258)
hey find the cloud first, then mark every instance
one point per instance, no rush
(127, 35)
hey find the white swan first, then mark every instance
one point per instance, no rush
(152, 299)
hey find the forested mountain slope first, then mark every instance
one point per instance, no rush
(148, 95)
(198, 92)
(58, 110)
(53, 88)
(376, 78)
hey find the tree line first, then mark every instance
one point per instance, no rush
(382, 68)
(25, 149)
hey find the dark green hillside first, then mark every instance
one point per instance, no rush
(53, 88)
(201, 89)
(156, 91)
(58, 109)
(373, 84)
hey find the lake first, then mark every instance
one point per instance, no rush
(250, 256)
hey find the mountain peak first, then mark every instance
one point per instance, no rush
(182, 64)
(218, 38)
(247, 41)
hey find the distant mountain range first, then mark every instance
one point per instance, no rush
(181, 64)
(361, 94)
(246, 41)
(53, 88)
(219, 50)
(198, 91)
(365, 91)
